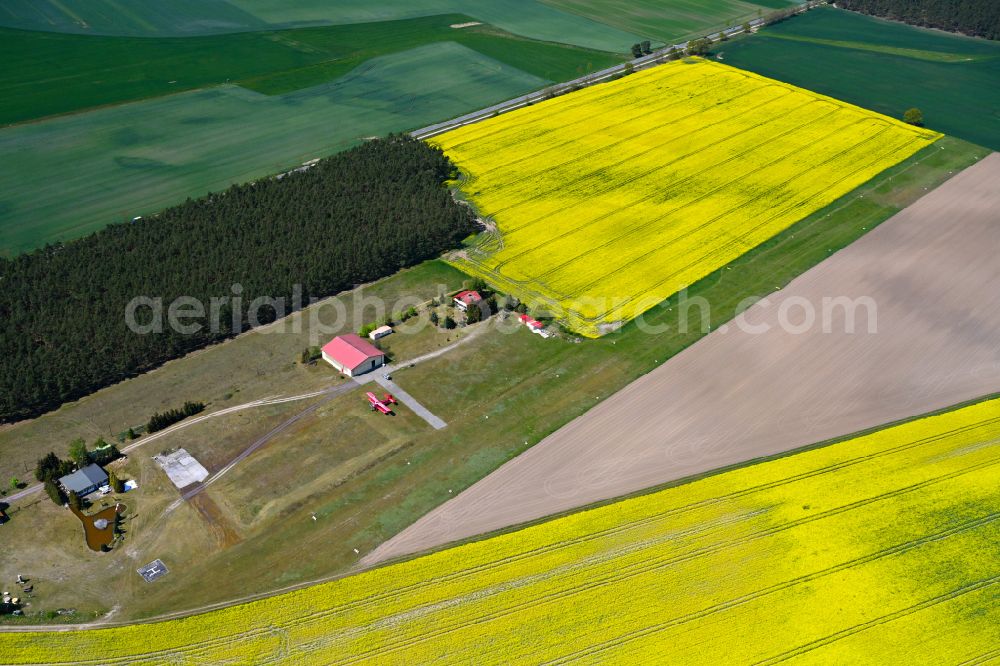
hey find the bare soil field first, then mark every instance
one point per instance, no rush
(736, 395)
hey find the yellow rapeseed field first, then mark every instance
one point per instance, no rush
(608, 200)
(879, 549)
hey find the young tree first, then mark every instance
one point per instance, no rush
(54, 492)
(449, 323)
(116, 484)
(78, 451)
(746, 28)
(434, 318)
(130, 434)
(15, 483)
(914, 116)
(627, 69)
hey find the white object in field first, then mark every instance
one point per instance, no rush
(182, 468)
(380, 332)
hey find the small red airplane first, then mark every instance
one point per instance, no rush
(379, 405)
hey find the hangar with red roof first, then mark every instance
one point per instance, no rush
(352, 355)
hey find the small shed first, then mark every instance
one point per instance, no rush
(352, 355)
(85, 480)
(464, 299)
(380, 332)
(533, 324)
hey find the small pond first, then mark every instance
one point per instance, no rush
(99, 528)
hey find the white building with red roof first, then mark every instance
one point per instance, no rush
(352, 355)
(464, 299)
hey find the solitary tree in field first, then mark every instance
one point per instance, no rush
(914, 116)
(637, 50)
(646, 47)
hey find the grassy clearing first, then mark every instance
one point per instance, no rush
(894, 529)
(365, 476)
(68, 176)
(50, 73)
(884, 66)
(670, 21)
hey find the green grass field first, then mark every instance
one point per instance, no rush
(128, 17)
(68, 176)
(884, 66)
(529, 18)
(47, 73)
(670, 20)
(177, 18)
(366, 477)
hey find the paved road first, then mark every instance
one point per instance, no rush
(410, 402)
(655, 58)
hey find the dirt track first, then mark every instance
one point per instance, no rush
(934, 275)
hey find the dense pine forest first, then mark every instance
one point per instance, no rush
(354, 217)
(980, 18)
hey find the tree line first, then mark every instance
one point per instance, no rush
(979, 18)
(355, 217)
(161, 420)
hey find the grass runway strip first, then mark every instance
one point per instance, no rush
(611, 199)
(892, 529)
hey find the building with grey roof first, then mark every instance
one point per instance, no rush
(84, 481)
